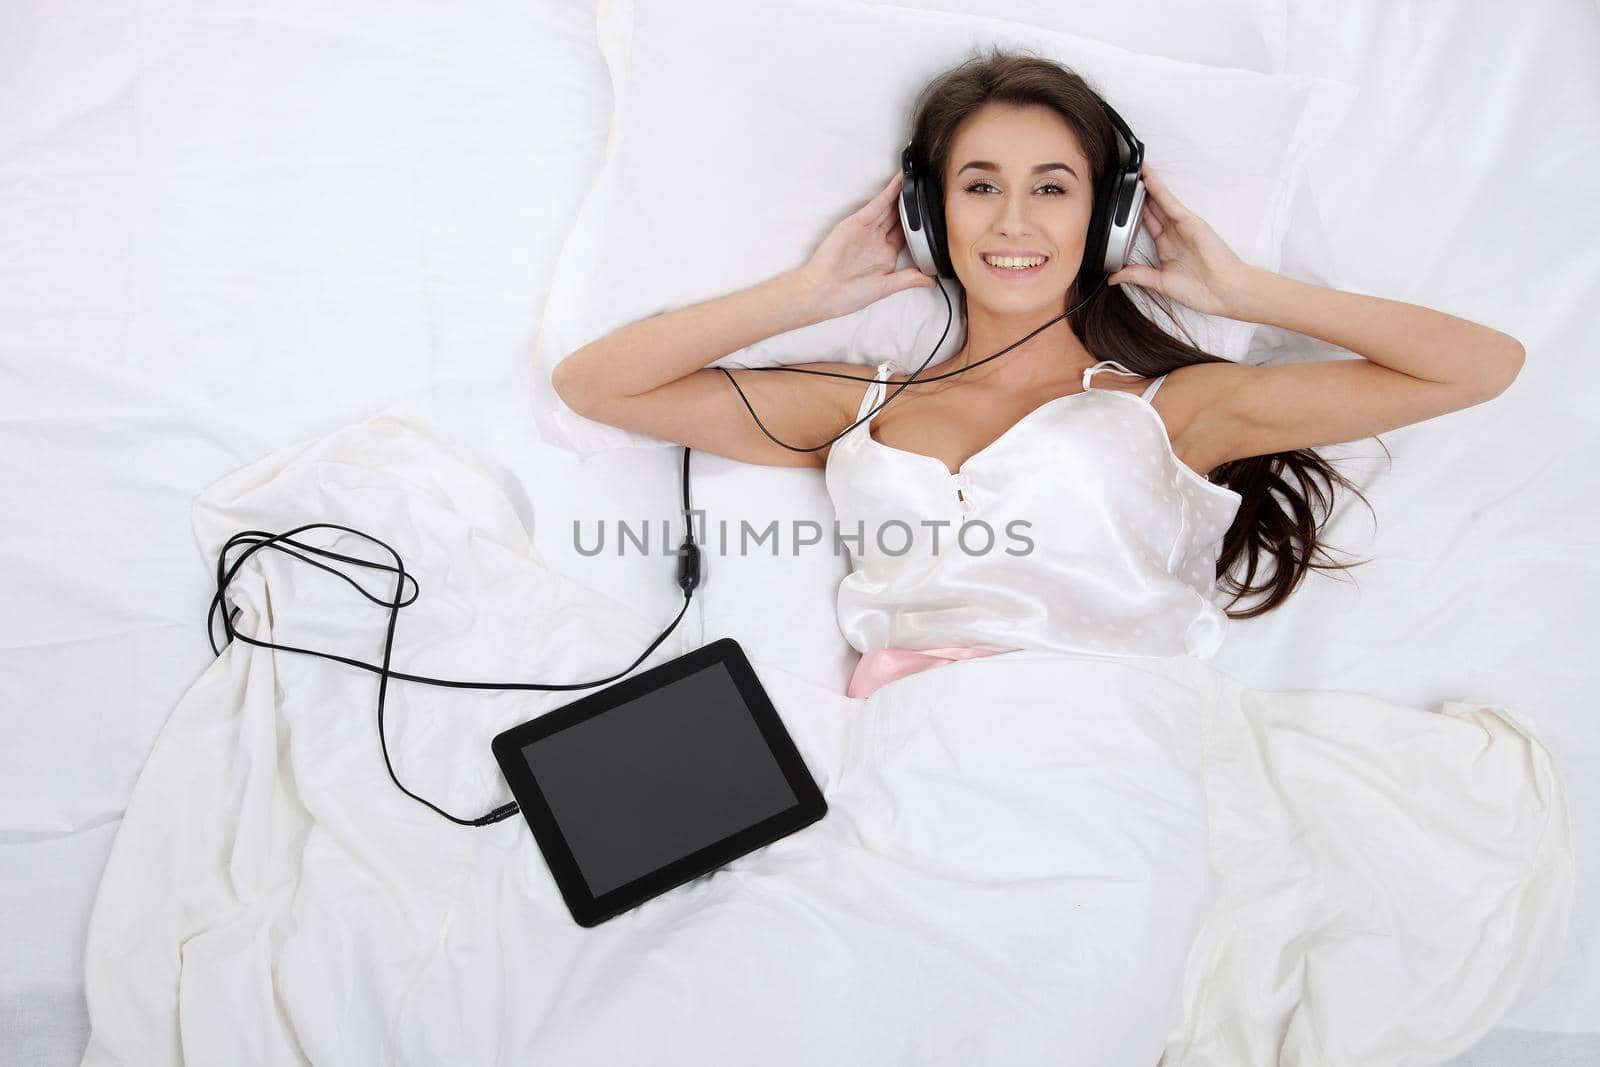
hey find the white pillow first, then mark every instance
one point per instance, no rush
(743, 132)
(1220, 33)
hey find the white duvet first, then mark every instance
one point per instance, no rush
(1028, 858)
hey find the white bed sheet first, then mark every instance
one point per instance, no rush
(1080, 831)
(236, 230)
(224, 228)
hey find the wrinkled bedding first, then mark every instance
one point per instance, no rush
(1027, 856)
(208, 258)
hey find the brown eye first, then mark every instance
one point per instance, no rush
(1059, 191)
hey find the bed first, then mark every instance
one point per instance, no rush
(231, 231)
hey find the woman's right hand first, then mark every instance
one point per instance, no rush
(854, 265)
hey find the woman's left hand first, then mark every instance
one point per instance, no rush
(1197, 267)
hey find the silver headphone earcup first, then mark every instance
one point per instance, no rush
(1120, 239)
(917, 240)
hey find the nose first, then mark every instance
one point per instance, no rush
(1014, 216)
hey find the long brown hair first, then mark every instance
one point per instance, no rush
(1274, 517)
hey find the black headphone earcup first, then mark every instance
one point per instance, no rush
(1094, 241)
(933, 210)
(922, 217)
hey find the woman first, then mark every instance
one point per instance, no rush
(1089, 645)
(1250, 429)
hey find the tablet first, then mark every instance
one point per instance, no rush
(656, 780)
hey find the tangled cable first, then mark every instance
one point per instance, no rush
(689, 573)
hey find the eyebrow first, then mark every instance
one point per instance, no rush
(984, 164)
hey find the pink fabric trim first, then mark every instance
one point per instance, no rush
(880, 665)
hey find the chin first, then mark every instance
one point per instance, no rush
(1038, 290)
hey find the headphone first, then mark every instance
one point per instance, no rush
(1118, 205)
(1113, 226)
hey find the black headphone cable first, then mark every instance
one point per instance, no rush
(689, 575)
(949, 317)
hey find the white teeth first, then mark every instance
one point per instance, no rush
(1014, 262)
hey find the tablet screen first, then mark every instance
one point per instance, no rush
(645, 783)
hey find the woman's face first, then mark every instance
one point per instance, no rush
(1016, 182)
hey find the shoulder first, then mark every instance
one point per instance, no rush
(832, 393)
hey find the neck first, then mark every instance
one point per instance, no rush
(1050, 356)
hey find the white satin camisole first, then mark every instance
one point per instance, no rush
(1080, 531)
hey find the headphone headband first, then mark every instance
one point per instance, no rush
(1131, 151)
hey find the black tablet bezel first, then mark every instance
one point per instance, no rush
(590, 910)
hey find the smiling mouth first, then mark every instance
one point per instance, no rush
(1015, 272)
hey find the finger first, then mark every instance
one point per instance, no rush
(889, 191)
(1162, 230)
(1150, 216)
(1137, 274)
(911, 278)
(1162, 193)
(875, 209)
(881, 209)
(891, 214)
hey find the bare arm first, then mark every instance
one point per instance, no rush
(1419, 341)
(1199, 270)
(650, 353)
(652, 376)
